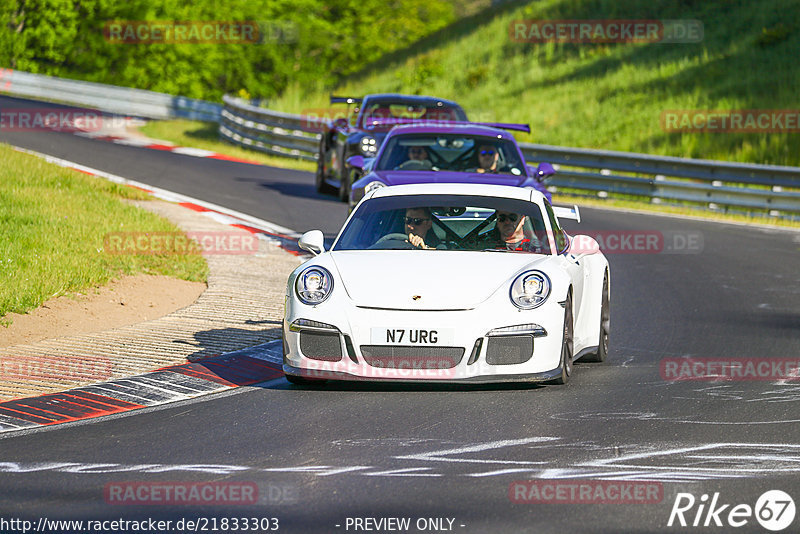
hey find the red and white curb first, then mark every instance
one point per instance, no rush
(271, 232)
(175, 383)
(175, 149)
(169, 384)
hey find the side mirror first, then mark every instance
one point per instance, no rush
(544, 170)
(356, 162)
(583, 245)
(341, 123)
(313, 241)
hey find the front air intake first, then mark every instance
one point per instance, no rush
(509, 350)
(323, 346)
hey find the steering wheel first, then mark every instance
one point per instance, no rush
(415, 165)
(396, 240)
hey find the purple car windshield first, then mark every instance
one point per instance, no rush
(451, 152)
(420, 112)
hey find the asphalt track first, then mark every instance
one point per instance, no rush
(322, 457)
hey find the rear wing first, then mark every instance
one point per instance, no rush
(345, 100)
(433, 122)
(567, 213)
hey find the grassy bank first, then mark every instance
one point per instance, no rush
(606, 96)
(53, 222)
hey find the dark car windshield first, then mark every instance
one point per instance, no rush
(448, 222)
(417, 111)
(451, 152)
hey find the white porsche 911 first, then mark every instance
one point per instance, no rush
(449, 283)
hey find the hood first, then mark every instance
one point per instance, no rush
(443, 280)
(435, 177)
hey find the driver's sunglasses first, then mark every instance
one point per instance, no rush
(415, 221)
(511, 217)
(416, 150)
(487, 152)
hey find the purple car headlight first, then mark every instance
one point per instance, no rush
(369, 146)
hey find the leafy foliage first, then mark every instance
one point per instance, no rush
(322, 40)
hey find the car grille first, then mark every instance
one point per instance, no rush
(509, 350)
(395, 357)
(321, 346)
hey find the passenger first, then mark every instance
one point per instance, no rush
(419, 227)
(487, 159)
(509, 233)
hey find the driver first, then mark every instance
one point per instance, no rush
(419, 227)
(418, 157)
(418, 153)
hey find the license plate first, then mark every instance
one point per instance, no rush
(411, 336)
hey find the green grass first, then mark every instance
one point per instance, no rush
(198, 134)
(52, 227)
(605, 96)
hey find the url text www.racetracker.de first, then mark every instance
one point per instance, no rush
(183, 524)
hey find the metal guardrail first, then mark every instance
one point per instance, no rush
(109, 98)
(719, 185)
(715, 184)
(272, 132)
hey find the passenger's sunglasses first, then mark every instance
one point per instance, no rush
(415, 221)
(513, 217)
(487, 152)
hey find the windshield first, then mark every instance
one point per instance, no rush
(406, 110)
(446, 222)
(451, 152)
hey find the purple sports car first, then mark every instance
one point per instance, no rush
(364, 134)
(447, 152)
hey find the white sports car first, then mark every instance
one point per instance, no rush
(448, 283)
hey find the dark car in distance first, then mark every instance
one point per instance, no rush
(363, 133)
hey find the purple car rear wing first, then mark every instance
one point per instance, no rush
(345, 100)
(422, 122)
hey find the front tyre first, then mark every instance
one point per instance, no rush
(567, 345)
(319, 179)
(605, 324)
(344, 183)
(301, 381)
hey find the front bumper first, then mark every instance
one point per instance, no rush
(469, 348)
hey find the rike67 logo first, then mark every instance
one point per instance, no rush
(774, 510)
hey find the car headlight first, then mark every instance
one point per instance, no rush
(530, 289)
(373, 186)
(313, 285)
(368, 146)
